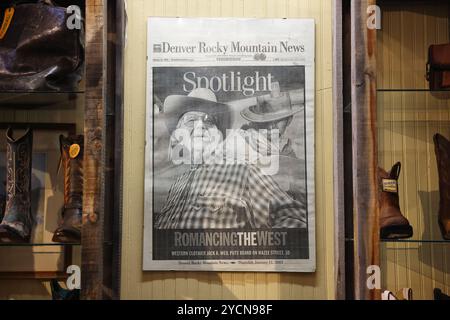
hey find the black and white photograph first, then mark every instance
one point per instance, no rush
(227, 162)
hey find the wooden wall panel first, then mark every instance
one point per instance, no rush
(407, 122)
(211, 285)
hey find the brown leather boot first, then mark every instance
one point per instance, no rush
(72, 163)
(442, 150)
(2, 206)
(18, 222)
(393, 225)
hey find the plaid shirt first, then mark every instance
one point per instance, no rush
(229, 196)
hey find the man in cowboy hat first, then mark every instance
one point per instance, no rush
(274, 112)
(268, 120)
(197, 125)
(219, 194)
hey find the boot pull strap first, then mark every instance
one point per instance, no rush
(59, 165)
(61, 137)
(395, 171)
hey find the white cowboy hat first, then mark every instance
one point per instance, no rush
(269, 109)
(201, 100)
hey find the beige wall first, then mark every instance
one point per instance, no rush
(211, 285)
(407, 123)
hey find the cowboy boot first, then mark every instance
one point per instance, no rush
(405, 294)
(59, 293)
(2, 201)
(2, 206)
(439, 295)
(442, 150)
(17, 221)
(393, 225)
(388, 295)
(72, 163)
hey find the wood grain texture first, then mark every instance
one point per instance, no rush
(407, 122)
(365, 162)
(338, 167)
(93, 187)
(210, 285)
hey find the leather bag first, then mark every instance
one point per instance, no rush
(38, 50)
(438, 67)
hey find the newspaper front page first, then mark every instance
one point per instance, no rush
(229, 176)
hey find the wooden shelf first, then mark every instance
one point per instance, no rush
(415, 241)
(39, 244)
(411, 90)
(33, 275)
(33, 100)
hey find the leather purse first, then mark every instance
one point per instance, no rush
(438, 67)
(38, 51)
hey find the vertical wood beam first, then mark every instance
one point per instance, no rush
(348, 151)
(119, 145)
(338, 120)
(365, 155)
(94, 155)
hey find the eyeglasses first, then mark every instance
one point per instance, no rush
(190, 119)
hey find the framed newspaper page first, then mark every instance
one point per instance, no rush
(229, 169)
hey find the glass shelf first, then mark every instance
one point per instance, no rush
(411, 95)
(415, 241)
(410, 90)
(39, 244)
(12, 92)
(437, 241)
(31, 100)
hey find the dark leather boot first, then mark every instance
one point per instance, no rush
(442, 150)
(439, 295)
(72, 163)
(59, 293)
(2, 206)
(393, 225)
(18, 222)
